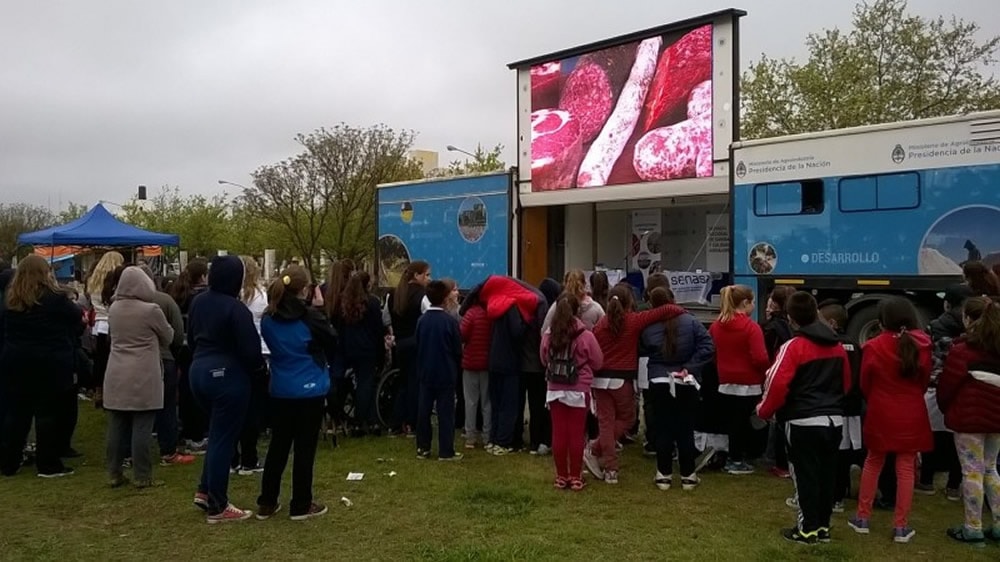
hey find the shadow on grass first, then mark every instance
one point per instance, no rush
(832, 552)
(466, 552)
(496, 504)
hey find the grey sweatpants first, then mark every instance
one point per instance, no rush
(477, 391)
(137, 427)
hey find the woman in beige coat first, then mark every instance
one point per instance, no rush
(133, 384)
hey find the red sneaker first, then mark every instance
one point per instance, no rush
(561, 483)
(780, 472)
(176, 458)
(230, 515)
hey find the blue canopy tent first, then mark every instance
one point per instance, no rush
(97, 228)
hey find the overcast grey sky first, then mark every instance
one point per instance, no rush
(97, 97)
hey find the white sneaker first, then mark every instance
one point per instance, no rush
(544, 450)
(691, 482)
(593, 465)
(663, 482)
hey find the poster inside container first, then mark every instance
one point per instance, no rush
(461, 226)
(632, 113)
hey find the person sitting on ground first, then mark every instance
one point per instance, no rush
(805, 389)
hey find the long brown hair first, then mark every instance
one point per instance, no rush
(779, 295)
(981, 279)
(660, 296)
(336, 281)
(289, 284)
(32, 279)
(182, 289)
(562, 328)
(599, 288)
(111, 283)
(575, 283)
(898, 316)
(251, 278)
(620, 302)
(401, 297)
(733, 296)
(355, 298)
(984, 330)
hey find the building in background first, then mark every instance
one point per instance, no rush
(428, 159)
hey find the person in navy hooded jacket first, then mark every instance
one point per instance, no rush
(439, 357)
(302, 345)
(227, 355)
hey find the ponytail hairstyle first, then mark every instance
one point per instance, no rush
(660, 296)
(182, 289)
(898, 316)
(561, 331)
(981, 279)
(733, 297)
(336, 283)
(400, 299)
(354, 299)
(982, 315)
(251, 278)
(288, 285)
(575, 283)
(600, 287)
(620, 303)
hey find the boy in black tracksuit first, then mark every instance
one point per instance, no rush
(805, 389)
(851, 449)
(439, 357)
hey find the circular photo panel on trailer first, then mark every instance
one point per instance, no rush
(962, 235)
(763, 258)
(472, 219)
(393, 257)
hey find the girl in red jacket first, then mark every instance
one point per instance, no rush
(741, 361)
(570, 355)
(618, 334)
(895, 372)
(968, 393)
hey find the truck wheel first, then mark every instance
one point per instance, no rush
(863, 324)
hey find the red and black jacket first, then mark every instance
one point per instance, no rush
(809, 378)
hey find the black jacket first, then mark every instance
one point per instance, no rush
(39, 344)
(221, 332)
(854, 401)
(777, 331)
(404, 326)
(363, 340)
(439, 349)
(809, 378)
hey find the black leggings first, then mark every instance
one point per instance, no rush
(741, 432)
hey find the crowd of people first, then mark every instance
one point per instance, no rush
(210, 361)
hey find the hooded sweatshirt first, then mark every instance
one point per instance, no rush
(968, 391)
(174, 317)
(586, 354)
(621, 350)
(221, 333)
(590, 313)
(809, 378)
(302, 345)
(896, 419)
(134, 377)
(740, 355)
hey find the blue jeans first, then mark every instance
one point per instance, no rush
(224, 395)
(444, 399)
(166, 419)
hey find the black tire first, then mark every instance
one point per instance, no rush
(863, 324)
(385, 395)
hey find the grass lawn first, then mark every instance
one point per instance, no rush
(483, 508)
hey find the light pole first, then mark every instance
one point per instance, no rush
(453, 148)
(239, 185)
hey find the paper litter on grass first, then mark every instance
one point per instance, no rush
(390, 474)
(355, 476)
(346, 502)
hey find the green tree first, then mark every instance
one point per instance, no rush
(324, 197)
(890, 66)
(483, 162)
(201, 222)
(72, 212)
(19, 218)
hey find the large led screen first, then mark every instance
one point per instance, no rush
(633, 113)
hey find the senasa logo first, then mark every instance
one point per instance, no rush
(690, 279)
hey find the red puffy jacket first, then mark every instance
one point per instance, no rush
(896, 420)
(970, 404)
(476, 335)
